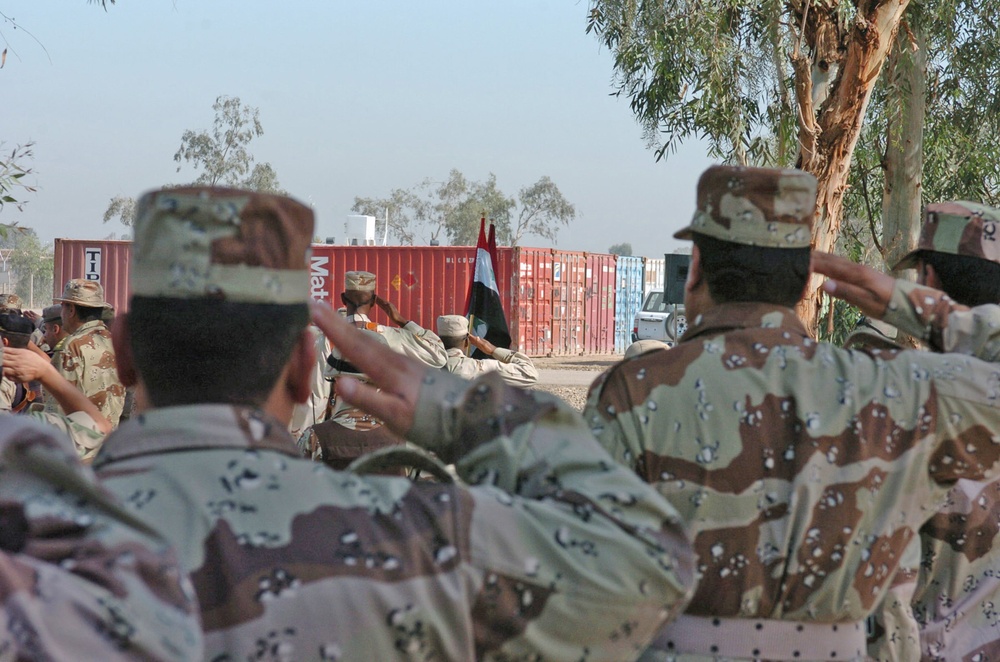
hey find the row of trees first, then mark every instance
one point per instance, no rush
(432, 211)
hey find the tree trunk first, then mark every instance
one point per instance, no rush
(904, 157)
(830, 124)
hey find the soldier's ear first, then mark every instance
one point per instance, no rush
(695, 274)
(301, 364)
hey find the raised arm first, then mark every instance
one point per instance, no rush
(598, 554)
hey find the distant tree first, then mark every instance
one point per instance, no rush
(453, 208)
(12, 173)
(621, 249)
(122, 207)
(222, 155)
(31, 265)
(484, 200)
(542, 210)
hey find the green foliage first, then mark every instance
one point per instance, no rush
(222, 155)
(717, 70)
(31, 265)
(12, 176)
(621, 249)
(453, 208)
(122, 207)
(961, 137)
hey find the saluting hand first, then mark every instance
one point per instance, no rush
(482, 344)
(391, 311)
(861, 286)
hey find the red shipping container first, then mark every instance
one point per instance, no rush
(104, 260)
(601, 280)
(557, 302)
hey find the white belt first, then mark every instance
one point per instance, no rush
(762, 638)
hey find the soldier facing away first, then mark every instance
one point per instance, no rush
(560, 554)
(955, 591)
(513, 367)
(80, 577)
(801, 469)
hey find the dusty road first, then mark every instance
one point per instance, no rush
(569, 377)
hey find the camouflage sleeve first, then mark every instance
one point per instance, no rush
(515, 368)
(417, 342)
(602, 554)
(946, 326)
(79, 427)
(80, 579)
(616, 434)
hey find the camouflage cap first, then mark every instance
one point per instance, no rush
(52, 313)
(10, 302)
(755, 206)
(359, 281)
(958, 228)
(452, 326)
(83, 292)
(219, 243)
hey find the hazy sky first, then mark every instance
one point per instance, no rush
(356, 98)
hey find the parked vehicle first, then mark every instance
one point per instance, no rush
(659, 320)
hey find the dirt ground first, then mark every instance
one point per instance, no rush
(575, 396)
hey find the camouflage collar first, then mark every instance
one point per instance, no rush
(196, 427)
(730, 316)
(89, 327)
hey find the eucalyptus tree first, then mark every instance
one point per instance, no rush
(221, 153)
(779, 82)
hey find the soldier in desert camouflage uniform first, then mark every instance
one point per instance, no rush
(514, 368)
(956, 594)
(83, 422)
(87, 359)
(803, 470)
(409, 339)
(560, 555)
(80, 577)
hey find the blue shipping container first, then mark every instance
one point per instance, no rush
(628, 298)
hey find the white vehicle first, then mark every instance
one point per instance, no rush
(659, 320)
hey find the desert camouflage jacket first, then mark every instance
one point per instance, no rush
(561, 554)
(80, 577)
(412, 340)
(87, 361)
(514, 367)
(803, 470)
(950, 593)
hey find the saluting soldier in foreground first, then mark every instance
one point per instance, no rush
(801, 469)
(560, 555)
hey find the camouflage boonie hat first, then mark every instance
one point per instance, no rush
(10, 302)
(958, 228)
(766, 207)
(82, 292)
(52, 313)
(219, 243)
(359, 281)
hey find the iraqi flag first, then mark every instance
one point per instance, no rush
(485, 313)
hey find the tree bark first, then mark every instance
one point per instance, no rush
(904, 156)
(829, 130)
